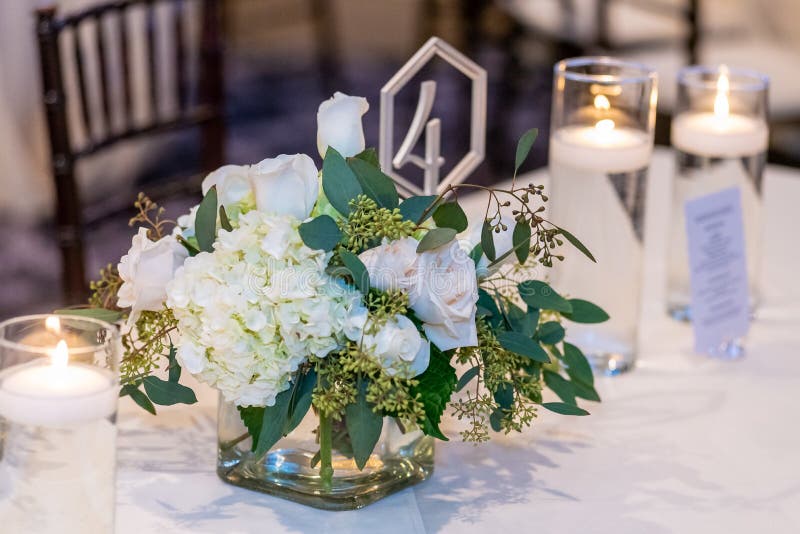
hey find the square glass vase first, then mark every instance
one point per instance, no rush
(290, 470)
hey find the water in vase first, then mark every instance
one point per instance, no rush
(605, 211)
(696, 176)
(58, 479)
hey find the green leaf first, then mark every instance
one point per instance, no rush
(495, 420)
(205, 222)
(524, 147)
(370, 156)
(320, 233)
(191, 249)
(434, 388)
(577, 244)
(357, 270)
(375, 184)
(101, 314)
(450, 215)
(521, 238)
(339, 182)
(488, 303)
(253, 418)
(467, 377)
(560, 386)
(584, 311)
(522, 345)
(413, 208)
(550, 333)
(174, 366)
(167, 393)
(487, 241)
(436, 238)
(363, 425)
(476, 254)
(578, 367)
(522, 321)
(300, 401)
(504, 396)
(585, 391)
(273, 423)
(224, 222)
(537, 294)
(138, 397)
(564, 409)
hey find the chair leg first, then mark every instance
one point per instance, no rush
(73, 271)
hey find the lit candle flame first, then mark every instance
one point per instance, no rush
(605, 125)
(721, 106)
(53, 324)
(601, 102)
(60, 356)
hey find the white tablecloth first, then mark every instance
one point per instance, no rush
(682, 444)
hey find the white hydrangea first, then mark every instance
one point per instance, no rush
(257, 307)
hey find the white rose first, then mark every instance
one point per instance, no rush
(232, 181)
(146, 270)
(446, 296)
(441, 285)
(339, 124)
(285, 185)
(399, 347)
(392, 265)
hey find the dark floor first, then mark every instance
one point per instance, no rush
(272, 110)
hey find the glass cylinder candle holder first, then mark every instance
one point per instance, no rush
(720, 139)
(601, 142)
(59, 387)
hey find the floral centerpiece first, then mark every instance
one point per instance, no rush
(339, 322)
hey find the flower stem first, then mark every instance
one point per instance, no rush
(325, 451)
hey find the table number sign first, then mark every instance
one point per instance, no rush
(718, 273)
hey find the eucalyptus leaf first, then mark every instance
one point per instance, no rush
(375, 184)
(585, 391)
(224, 222)
(524, 147)
(167, 393)
(522, 321)
(538, 294)
(496, 419)
(560, 386)
(550, 333)
(370, 156)
(450, 215)
(563, 408)
(300, 402)
(435, 238)
(357, 270)
(521, 239)
(476, 254)
(273, 423)
(101, 314)
(205, 221)
(467, 377)
(138, 397)
(174, 366)
(522, 345)
(488, 303)
(363, 425)
(320, 233)
(339, 182)
(191, 249)
(504, 396)
(413, 208)
(584, 311)
(487, 241)
(577, 244)
(578, 367)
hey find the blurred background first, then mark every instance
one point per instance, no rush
(101, 100)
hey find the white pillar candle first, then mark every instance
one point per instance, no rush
(58, 446)
(719, 134)
(603, 148)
